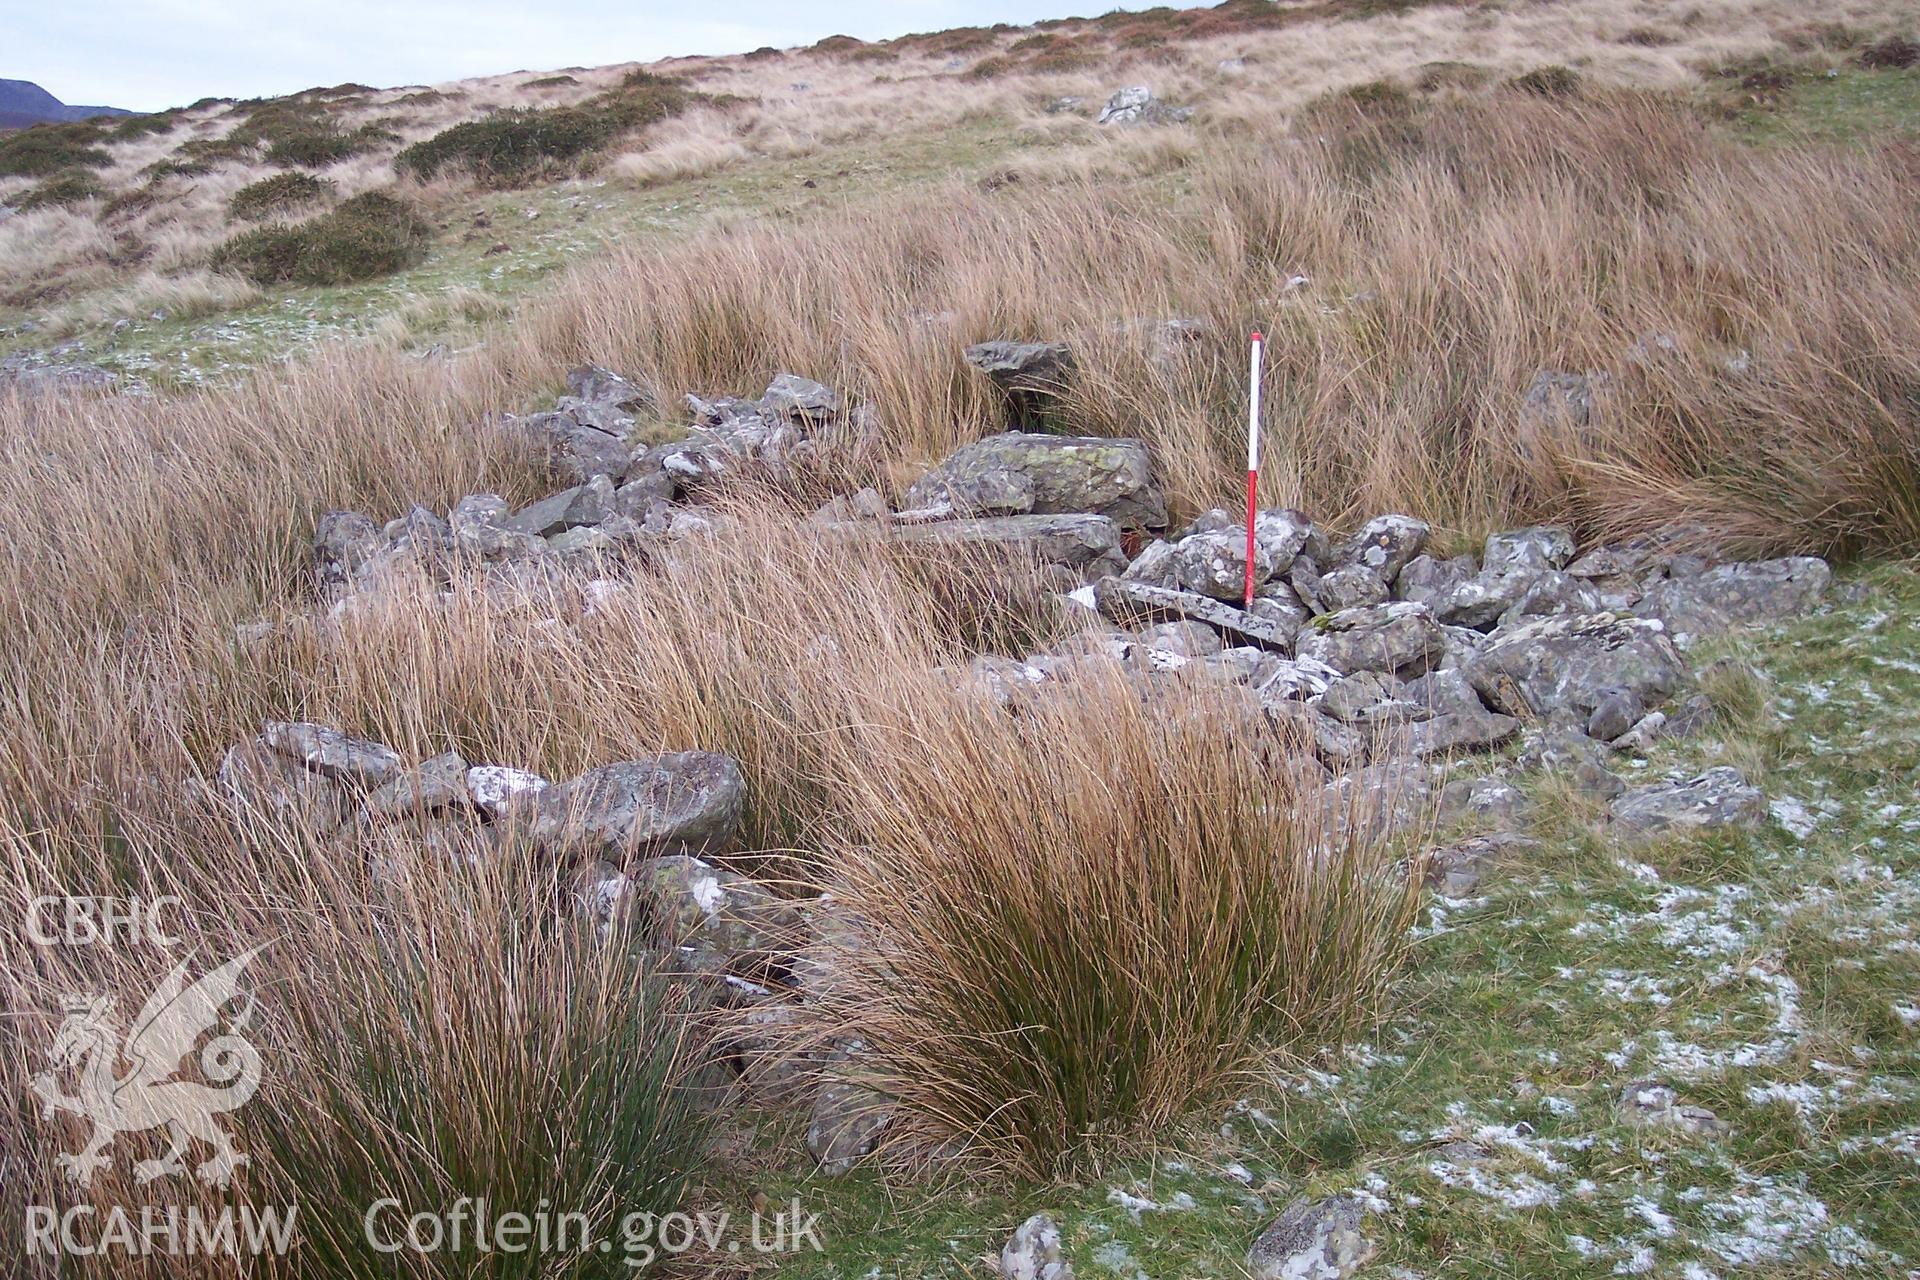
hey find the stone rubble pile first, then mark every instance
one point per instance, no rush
(1387, 662)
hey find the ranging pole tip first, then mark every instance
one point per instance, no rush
(1257, 337)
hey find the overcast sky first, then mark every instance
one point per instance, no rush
(149, 54)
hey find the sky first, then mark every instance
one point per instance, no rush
(150, 54)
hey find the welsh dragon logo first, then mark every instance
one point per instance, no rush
(90, 1045)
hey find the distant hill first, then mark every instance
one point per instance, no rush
(22, 102)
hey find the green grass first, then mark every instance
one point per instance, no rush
(546, 230)
(1530, 1007)
(1848, 107)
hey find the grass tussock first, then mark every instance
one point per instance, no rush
(373, 234)
(1065, 926)
(44, 149)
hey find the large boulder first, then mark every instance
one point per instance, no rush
(680, 802)
(1400, 638)
(1088, 545)
(1537, 547)
(1565, 666)
(581, 439)
(1715, 800)
(254, 779)
(1017, 473)
(431, 786)
(357, 761)
(584, 504)
(1735, 594)
(1215, 564)
(601, 385)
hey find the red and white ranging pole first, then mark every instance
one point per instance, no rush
(1253, 454)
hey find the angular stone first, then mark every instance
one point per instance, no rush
(1737, 594)
(1617, 711)
(257, 779)
(584, 504)
(1135, 604)
(1456, 870)
(1457, 731)
(343, 542)
(603, 386)
(1370, 697)
(1538, 547)
(439, 783)
(1332, 741)
(1486, 597)
(679, 802)
(1281, 533)
(848, 1120)
(1716, 800)
(1566, 665)
(496, 790)
(1650, 1104)
(1033, 1253)
(1312, 1240)
(1493, 802)
(575, 445)
(1351, 587)
(332, 753)
(1215, 564)
(1432, 582)
(1020, 472)
(791, 396)
(718, 921)
(1400, 638)
(1089, 545)
(1385, 544)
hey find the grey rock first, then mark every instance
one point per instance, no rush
(1648, 1104)
(1312, 1240)
(1538, 547)
(1295, 721)
(715, 920)
(257, 780)
(439, 783)
(1616, 711)
(1591, 778)
(1351, 587)
(1303, 579)
(584, 504)
(343, 543)
(1385, 544)
(1559, 748)
(1088, 545)
(847, 1123)
(1400, 638)
(679, 802)
(791, 396)
(1446, 692)
(1432, 582)
(1718, 799)
(1133, 604)
(1486, 597)
(1024, 367)
(1456, 870)
(1492, 802)
(1566, 665)
(578, 443)
(1551, 593)
(1455, 731)
(1282, 533)
(1555, 398)
(1033, 1252)
(603, 386)
(1737, 594)
(1017, 473)
(1137, 105)
(496, 790)
(329, 752)
(1187, 639)
(1370, 697)
(643, 491)
(1215, 564)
